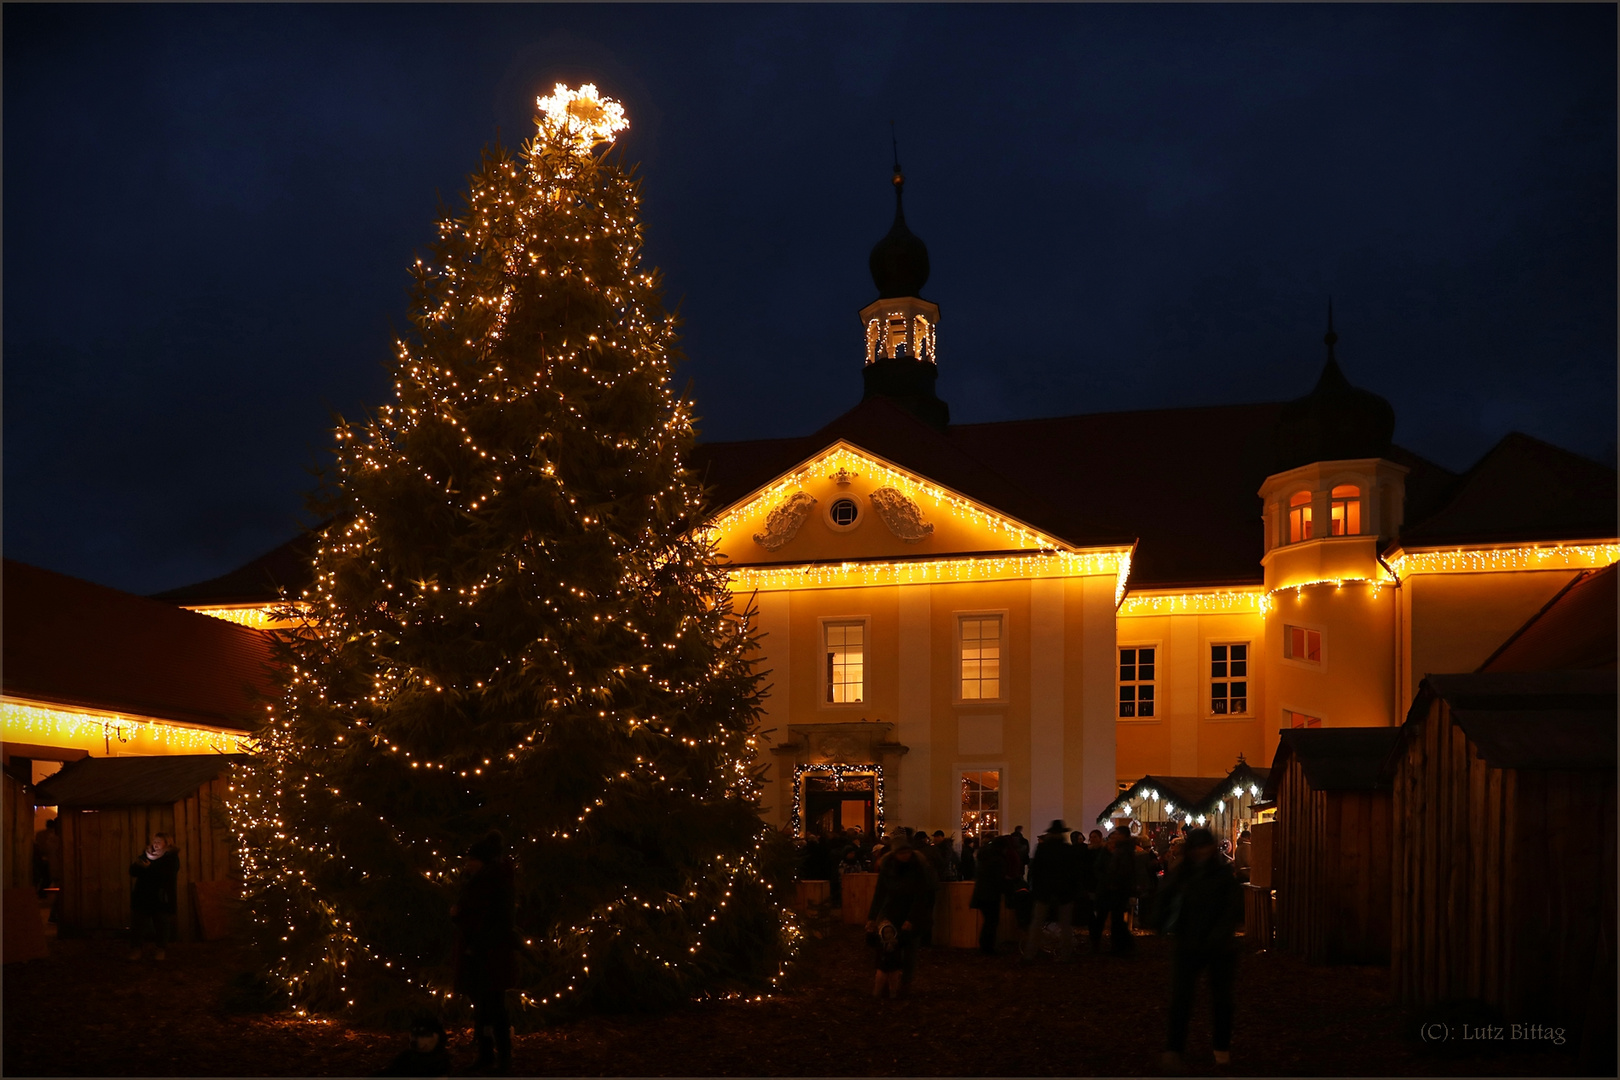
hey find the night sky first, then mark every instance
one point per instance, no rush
(209, 212)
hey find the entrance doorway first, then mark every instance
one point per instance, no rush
(981, 804)
(838, 797)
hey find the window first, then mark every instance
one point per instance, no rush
(1346, 510)
(1299, 517)
(1229, 679)
(845, 650)
(1136, 682)
(1302, 644)
(981, 804)
(844, 512)
(1299, 719)
(981, 657)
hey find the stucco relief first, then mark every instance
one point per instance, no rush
(843, 748)
(901, 515)
(783, 523)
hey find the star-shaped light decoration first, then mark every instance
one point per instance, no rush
(581, 115)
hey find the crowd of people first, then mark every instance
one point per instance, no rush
(1172, 879)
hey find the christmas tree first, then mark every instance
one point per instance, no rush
(518, 623)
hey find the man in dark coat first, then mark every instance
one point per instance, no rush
(1202, 907)
(989, 886)
(904, 896)
(1054, 882)
(486, 946)
(1116, 887)
(152, 892)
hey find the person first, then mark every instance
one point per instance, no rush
(1116, 888)
(486, 946)
(1202, 909)
(1147, 885)
(1240, 858)
(886, 942)
(1094, 863)
(947, 863)
(1054, 876)
(152, 893)
(1021, 845)
(965, 869)
(1014, 886)
(904, 896)
(428, 1053)
(990, 873)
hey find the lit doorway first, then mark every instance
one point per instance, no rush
(981, 804)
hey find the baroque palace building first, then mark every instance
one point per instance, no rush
(974, 626)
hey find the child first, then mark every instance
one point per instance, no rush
(427, 1055)
(886, 940)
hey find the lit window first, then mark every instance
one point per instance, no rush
(981, 804)
(1346, 510)
(1302, 644)
(844, 512)
(1136, 682)
(1299, 719)
(845, 668)
(1299, 517)
(981, 657)
(1229, 680)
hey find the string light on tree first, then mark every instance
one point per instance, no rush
(512, 625)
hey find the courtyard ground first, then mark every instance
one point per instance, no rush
(87, 1011)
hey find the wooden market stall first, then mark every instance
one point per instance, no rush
(1330, 844)
(1504, 849)
(110, 807)
(1163, 798)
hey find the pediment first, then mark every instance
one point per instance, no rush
(846, 503)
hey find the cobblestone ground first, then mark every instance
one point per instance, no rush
(87, 1011)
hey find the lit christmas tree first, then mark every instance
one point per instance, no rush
(518, 624)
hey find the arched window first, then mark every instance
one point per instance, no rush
(1346, 510)
(1299, 517)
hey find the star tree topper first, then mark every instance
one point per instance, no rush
(581, 115)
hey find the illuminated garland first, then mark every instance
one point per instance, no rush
(1525, 557)
(1036, 564)
(28, 722)
(252, 616)
(839, 770)
(1223, 601)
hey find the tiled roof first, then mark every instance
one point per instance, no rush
(1523, 489)
(131, 781)
(68, 642)
(1576, 629)
(1184, 483)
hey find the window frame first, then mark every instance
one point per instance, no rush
(824, 692)
(1320, 663)
(1210, 645)
(1335, 501)
(956, 656)
(998, 767)
(1288, 718)
(860, 512)
(1307, 517)
(1156, 682)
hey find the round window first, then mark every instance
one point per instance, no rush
(843, 512)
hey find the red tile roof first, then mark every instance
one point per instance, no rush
(68, 642)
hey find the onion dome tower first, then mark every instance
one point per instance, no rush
(1334, 422)
(900, 325)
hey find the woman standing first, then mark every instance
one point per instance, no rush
(486, 955)
(151, 893)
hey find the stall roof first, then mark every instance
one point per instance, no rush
(1186, 791)
(70, 642)
(1335, 759)
(131, 781)
(1530, 720)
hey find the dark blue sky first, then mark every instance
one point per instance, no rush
(209, 212)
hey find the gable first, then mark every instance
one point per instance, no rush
(897, 514)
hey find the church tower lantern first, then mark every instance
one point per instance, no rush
(900, 326)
